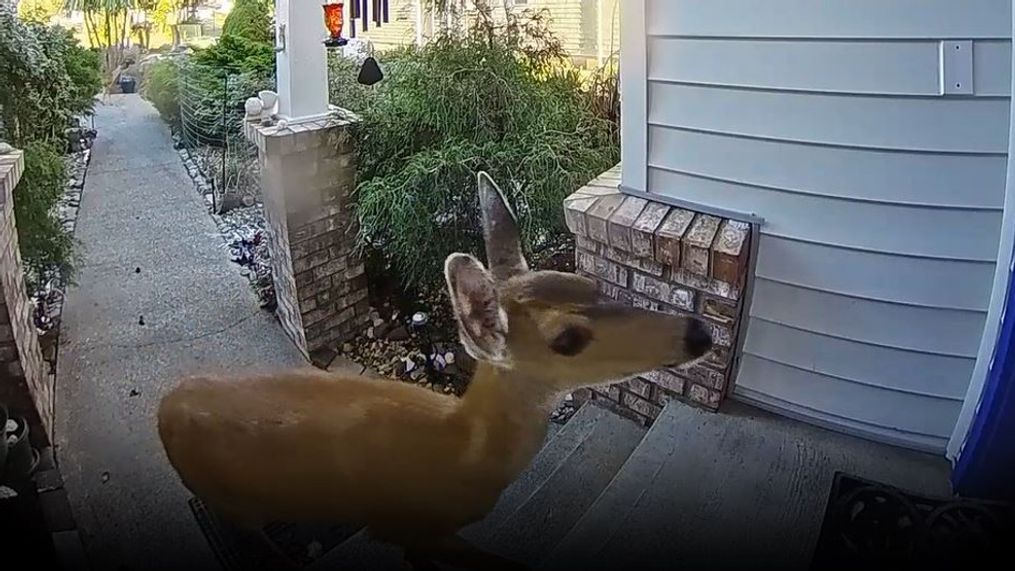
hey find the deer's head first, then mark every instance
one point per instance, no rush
(553, 326)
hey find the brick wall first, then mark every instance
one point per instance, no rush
(651, 255)
(308, 173)
(25, 384)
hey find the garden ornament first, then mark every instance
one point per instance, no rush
(253, 108)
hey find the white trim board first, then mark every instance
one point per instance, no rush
(634, 95)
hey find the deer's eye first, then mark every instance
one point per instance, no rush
(571, 341)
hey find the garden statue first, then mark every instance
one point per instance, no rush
(253, 107)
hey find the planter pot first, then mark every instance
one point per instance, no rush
(128, 84)
(22, 459)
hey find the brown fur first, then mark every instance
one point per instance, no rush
(413, 465)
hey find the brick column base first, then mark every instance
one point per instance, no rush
(25, 384)
(308, 173)
(655, 256)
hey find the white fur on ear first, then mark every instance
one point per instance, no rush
(482, 322)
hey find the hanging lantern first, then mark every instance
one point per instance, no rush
(334, 16)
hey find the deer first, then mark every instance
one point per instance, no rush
(411, 465)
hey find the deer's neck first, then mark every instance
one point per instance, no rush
(507, 415)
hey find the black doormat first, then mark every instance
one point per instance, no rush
(290, 545)
(869, 525)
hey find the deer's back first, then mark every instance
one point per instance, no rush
(311, 446)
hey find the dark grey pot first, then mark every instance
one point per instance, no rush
(22, 459)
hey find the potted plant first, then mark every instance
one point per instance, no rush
(21, 459)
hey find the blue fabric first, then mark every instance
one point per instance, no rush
(986, 466)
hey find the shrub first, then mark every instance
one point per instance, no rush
(343, 89)
(251, 20)
(46, 248)
(236, 67)
(500, 99)
(238, 54)
(161, 86)
(83, 67)
(226, 73)
(48, 80)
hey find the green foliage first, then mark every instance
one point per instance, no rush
(206, 84)
(83, 67)
(500, 99)
(250, 19)
(237, 54)
(45, 246)
(161, 86)
(343, 89)
(48, 80)
(203, 94)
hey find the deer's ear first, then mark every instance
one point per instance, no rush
(500, 230)
(482, 322)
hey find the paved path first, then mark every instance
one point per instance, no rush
(139, 210)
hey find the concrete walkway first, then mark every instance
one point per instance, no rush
(152, 253)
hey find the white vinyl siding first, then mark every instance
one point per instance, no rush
(881, 199)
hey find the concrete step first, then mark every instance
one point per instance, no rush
(360, 552)
(740, 489)
(560, 443)
(611, 510)
(574, 469)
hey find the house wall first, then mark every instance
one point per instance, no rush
(881, 198)
(399, 30)
(586, 28)
(589, 30)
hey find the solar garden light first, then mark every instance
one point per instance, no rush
(419, 324)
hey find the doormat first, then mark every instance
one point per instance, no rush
(243, 550)
(869, 525)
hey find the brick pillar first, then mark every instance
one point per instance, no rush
(308, 173)
(25, 384)
(651, 255)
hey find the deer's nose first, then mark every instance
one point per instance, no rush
(698, 339)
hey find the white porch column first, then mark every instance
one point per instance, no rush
(302, 67)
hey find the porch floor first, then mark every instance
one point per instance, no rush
(739, 489)
(743, 487)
